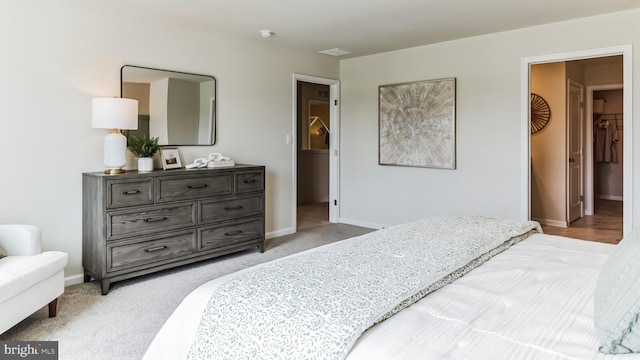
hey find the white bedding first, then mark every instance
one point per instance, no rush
(534, 301)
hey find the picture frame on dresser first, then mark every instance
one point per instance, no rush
(170, 158)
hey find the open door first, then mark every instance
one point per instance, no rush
(527, 162)
(327, 135)
(575, 188)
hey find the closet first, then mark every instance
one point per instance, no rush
(608, 145)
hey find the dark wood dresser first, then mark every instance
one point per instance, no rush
(139, 223)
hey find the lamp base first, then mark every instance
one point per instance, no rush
(115, 152)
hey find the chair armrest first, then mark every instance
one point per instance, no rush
(20, 239)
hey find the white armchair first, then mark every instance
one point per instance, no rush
(29, 278)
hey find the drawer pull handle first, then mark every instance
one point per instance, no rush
(155, 219)
(250, 181)
(229, 233)
(131, 192)
(229, 208)
(155, 249)
(197, 186)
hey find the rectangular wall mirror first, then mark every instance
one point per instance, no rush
(177, 107)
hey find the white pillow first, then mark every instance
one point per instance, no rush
(617, 299)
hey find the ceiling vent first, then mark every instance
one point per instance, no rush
(335, 52)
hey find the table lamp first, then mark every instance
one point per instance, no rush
(117, 114)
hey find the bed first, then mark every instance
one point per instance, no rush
(527, 295)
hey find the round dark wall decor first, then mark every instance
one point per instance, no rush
(540, 113)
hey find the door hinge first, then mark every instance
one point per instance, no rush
(335, 102)
(581, 197)
(335, 202)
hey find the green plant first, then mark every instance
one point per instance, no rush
(143, 147)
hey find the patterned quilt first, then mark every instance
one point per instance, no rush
(316, 304)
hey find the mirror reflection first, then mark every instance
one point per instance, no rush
(318, 128)
(179, 108)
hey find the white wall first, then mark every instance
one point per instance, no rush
(57, 55)
(158, 109)
(207, 111)
(487, 180)
(183, 109)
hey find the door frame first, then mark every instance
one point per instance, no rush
(334, 144)
(525, 86)
(589, 186)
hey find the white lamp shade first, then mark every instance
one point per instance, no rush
(114, 113)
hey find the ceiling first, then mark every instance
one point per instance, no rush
(372, 26)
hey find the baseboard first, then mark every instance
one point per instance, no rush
(556, 223)
(278, 233)
(360, 223)
(73, 280)
(611, 197)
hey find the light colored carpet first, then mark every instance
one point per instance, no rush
(122, 324)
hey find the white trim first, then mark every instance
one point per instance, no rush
(589, 187)
(334, 154)
(278, 233)
(73, 280)
(525, 66)
(525, 139)
(334, 144)
(627, 181)
(364, 224)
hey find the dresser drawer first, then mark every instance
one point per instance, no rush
(137, 223)
(230, 234)
(122, 193)
(193, 187)
(144, 220)
(125, 255)
(230, 208)
(249, 181)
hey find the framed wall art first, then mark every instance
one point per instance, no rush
(170, 158)
(417, 124)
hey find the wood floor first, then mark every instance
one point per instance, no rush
(605, 226)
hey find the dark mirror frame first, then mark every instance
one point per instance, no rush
(144, 119)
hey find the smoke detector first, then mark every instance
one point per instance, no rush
(266, 33)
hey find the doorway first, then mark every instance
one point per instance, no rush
(604, 155)
(316, 129)
(610, 220)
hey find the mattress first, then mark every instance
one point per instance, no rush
(533, 301)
